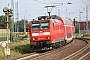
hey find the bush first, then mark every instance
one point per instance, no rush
(12, 36)
(23, 37)
(21, 47)
(86, 35)
(82, 35)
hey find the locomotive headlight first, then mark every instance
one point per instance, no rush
(34, 38)
(48, 37)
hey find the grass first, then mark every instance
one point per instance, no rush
(2, 55)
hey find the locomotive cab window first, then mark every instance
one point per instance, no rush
(37, 25)
(45, 25)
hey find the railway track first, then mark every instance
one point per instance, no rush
(80, 54)
(54, 55)
(85, 55)
(63, 53)
(24, 57)
(35, 55)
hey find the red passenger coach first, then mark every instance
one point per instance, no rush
(69, 30)
(50, 31)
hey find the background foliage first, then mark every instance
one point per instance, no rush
(19, 24)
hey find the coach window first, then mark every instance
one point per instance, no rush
(54, 20)
(67, 22)
(57, 21)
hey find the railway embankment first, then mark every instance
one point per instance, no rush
(16, 49)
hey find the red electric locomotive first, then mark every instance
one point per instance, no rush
(52, 31)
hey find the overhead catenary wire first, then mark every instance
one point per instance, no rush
(83, 2)
(40, 2)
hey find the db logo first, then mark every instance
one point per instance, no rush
(40, 34)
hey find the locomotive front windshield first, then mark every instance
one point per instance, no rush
(38, 25)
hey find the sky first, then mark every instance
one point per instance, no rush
(31, 9)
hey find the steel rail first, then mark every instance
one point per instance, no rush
(84, 56)
(24, 56)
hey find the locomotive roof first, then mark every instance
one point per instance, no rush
(64, 21)
(48, 17)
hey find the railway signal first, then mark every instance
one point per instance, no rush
(8, 13)
(74, 21)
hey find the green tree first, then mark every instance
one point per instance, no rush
(3, 22)
(20, 25)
